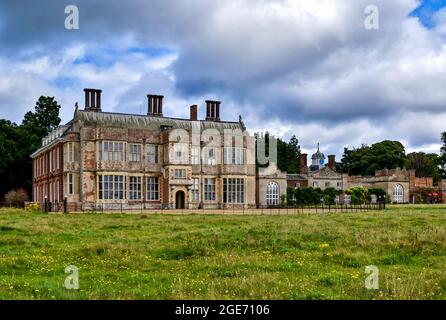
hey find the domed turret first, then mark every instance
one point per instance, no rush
(317, 160)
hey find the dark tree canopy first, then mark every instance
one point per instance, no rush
(425, 165)
(17, 143)
(366, 160)
(288, 153)
(442, 158)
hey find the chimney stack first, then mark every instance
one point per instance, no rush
(332, 162)
(212, 110)
(155, 105)
(193, 112)
(92, 100)
(303, 163)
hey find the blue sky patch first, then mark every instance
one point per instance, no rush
(107, 56)
(426, 11)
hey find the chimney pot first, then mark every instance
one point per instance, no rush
(193, 112)
(155, 105)
(332, 162)
(92, 100)
(303, 163)
(212, 110)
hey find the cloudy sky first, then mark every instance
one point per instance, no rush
(303, 67)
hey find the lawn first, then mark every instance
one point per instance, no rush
(305, 256)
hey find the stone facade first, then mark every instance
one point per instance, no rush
(423, 189)
(112, 160)
(271, 186)
(48, 169)
(395, 182)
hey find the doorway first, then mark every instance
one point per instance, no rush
(179, 200)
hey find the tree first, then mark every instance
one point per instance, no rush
(358, 194)
(425, 165)
(293, 155)
(16, 198)
(287, 153)
(442, 158)
(8, 153)
(17, 143)
(46, 115)
(366, 160)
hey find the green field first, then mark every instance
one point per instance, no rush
(306, 256)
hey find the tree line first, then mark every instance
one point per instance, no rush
(18, 142)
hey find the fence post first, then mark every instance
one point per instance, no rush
(65, 201)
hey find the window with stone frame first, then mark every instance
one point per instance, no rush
(209, 189)
(135, 152)
(152, 188)
(233, 190)
(210, 157)
(152, 153)
(398, 194)
(112, 187)
(69, 152)
(111, 151)
(234, 155)
(272, 194)
(195, 196)
(180, 173)
(195, 155)
(135, 188)
(180, 152)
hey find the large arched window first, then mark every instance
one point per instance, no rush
(272, 194)
(398, 194)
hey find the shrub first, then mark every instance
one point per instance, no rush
(358, 194)
(379, 193)
(16, 198)
(32, 206)
(330, 195)
(304, 196)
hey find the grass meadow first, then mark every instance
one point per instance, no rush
(305, 256)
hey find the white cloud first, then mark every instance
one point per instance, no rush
(308, 68)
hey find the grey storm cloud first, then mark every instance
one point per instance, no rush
(301, 64)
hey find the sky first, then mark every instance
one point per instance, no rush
(308, 68)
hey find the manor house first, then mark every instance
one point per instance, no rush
(113, 160)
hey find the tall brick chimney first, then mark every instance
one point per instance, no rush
(193, 112)
(332, 162)
(92, 100)
(303, 163)
(155, 107)
(212, 110)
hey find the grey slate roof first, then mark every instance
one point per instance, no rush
(148, 122)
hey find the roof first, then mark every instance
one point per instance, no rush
(149, 122)
(296, 177)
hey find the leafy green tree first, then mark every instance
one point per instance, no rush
(19, 142)
(287, 152)
(425, 165)
(304, 196)
(366, 160)
(358, 194)
(380, 193)
(442, 158)
(330, 195)
(8, 153)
